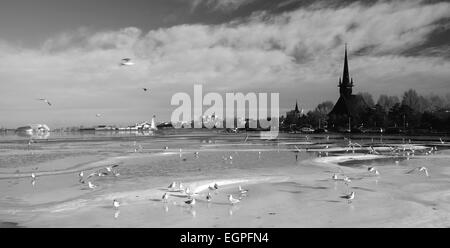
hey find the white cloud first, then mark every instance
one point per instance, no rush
(298, 54)
(223, 5)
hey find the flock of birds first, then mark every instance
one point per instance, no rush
(123, 62)
(178, 187)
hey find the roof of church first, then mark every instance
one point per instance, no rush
(349, 105)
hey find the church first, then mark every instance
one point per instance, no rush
(348, 108)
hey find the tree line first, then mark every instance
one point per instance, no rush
(411, 112)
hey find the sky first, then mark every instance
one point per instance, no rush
(69, 51)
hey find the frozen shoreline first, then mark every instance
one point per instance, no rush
(283, 192)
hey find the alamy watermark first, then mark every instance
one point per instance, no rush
(190, 110)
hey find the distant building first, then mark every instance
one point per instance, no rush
(348, 108)
(294, 114)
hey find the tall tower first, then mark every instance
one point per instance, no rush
(345, 86)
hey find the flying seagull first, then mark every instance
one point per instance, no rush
(45, 100)
(126, 61)
(424, 169)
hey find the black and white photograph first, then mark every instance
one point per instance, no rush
(224, 114)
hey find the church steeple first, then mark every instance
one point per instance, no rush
(345, 86)
(296, 107)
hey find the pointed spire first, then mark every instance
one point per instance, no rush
(296, 107)
(345, 76)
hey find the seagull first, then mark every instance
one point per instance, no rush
(45, 100)
(243, 191)
(188, 192)
(109, 168)
(33, 176)
(165, 197)
(115, 173)
(216, 186)
(208, 197)
(126, 61)
(172, 186)
(334, 177)
(349, 197)
(145, 89)
(116, 204)
(347, 180)
(424, 169)
(232, 200)
(91, 185)
(190, 202)
(81, 174)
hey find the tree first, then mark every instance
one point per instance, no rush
(367, 98)
(387, 102)
(412, 100)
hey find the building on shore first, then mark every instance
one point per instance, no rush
(348, 108)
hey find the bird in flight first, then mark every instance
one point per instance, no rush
(45, 100)
(126, 61)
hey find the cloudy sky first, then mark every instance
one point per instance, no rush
(68, 51)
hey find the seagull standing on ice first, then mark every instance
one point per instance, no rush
(109, 168)
(165, 197)
(126, 61)
(172, 186)
(116, 204)
(243, 191)
(91, 185)
(334, 177)
(208, 197)
(232, 200)
(190, 202)
(372, 169)
(216, 186)
(349, 197)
